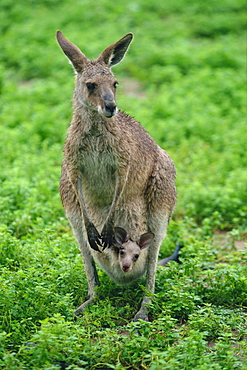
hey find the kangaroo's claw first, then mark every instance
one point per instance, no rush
(94, 238)
(107, 236)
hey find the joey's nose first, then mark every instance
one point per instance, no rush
(126, 268)
(110, 109)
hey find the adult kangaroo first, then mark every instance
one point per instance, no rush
(113, 173)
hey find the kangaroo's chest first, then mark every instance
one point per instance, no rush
(98, 166)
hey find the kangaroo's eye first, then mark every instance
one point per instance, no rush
(121, 253)
(91, 86)
(115, 84)
(136, 256)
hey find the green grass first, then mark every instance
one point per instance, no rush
(184, 80)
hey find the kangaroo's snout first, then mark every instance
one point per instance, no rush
(110, 109)
(107, 108)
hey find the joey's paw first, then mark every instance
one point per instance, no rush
(94, 238)
(107, 236)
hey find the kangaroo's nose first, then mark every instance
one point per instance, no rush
(110, 109)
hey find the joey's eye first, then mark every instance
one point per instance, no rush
(136, 256)
(91, 86)
(115, 84)
(121, 253)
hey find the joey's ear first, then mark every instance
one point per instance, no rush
(121, 235)
(74, 54)
(145, 240)
(115, 52)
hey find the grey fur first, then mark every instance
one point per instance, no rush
(113, 174)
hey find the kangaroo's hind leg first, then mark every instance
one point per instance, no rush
(90, 269)
(74, 215)
(152, 259)
(160, 199)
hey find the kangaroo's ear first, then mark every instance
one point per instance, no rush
(74, 54)
(121, 235)
(145, 240)
(115, 52)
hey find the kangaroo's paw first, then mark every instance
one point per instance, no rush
(94, 237)
(107, 235)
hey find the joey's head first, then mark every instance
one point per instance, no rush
(95, 83)
(129, 251)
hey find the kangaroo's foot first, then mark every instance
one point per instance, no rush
(84, 305)
(142, 314)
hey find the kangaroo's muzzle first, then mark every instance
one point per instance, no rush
(110, 109)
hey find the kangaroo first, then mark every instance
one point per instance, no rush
(113, 172)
